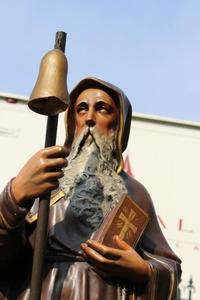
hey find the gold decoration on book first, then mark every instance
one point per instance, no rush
(125, 222)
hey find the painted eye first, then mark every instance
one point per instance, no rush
(104, 107)
(81, 108)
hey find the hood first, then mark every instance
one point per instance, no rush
(121, 102)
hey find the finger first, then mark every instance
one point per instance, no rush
(102, 265)
(54, 164)
(104, 250)
(91, 254)
(49, 186)
(54, 151)
(50, 181)
(50, 177)
(97, 261)
(121, 244)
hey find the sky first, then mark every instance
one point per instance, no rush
(149, 48)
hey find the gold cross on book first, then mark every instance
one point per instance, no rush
(125, 223)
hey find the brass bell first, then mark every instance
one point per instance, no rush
(50, 96)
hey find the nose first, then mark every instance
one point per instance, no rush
(90, 123)
(90, 120)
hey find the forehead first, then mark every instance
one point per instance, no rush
(94, 94)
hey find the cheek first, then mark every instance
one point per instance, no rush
(79, 124)
(104, 125)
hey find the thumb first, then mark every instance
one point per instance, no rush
(120, 243)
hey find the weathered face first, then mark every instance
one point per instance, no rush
(94, 107)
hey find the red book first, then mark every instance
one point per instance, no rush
(127, 220)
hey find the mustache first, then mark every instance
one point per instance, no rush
(86, 134)
(86, 137)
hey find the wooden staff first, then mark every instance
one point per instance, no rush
(43, 212)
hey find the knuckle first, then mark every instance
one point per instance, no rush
(41, 152)
(57, 175)
(59, 161)
(63, 161)
(45, 177)
(104, 250)
(102, 260)
(43, 164)
(58, 148)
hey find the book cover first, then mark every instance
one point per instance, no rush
(127, 220)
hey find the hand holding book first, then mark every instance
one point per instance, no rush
(120, 262)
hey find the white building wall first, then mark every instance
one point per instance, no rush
(164, 156)
(22, 133)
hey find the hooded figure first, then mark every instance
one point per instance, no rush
(122, 104)
(91, 185)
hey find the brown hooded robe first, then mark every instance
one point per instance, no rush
(65, 277)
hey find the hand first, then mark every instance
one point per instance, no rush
(40, 174)
(123, 262)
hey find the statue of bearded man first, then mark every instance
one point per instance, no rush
(88, 180)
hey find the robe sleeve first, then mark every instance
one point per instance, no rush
(154, 248)
(12, 225)
(164, 279)
(165, 265)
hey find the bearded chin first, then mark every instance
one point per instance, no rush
(90, 181)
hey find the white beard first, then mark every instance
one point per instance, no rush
(90, 181)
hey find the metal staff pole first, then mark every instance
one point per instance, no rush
(43, 213)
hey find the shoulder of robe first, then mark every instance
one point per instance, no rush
(137, 191)
(32, 215)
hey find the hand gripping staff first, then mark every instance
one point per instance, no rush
(49, 97)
